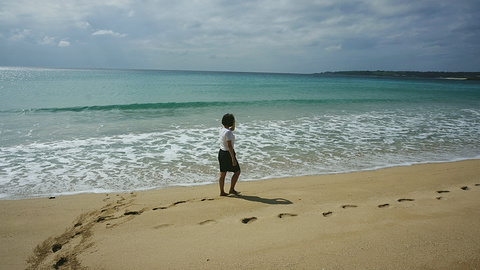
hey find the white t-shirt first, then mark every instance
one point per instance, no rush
(226, 135)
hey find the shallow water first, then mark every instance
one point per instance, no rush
(76, 131)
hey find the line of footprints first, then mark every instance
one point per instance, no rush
(329, 213)
(112, 215)
(103, 218)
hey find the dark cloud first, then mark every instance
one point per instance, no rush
(277, 36)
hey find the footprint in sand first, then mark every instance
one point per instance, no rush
(103, 218)
(165, 207)
(179, 202)
(384, 205)
(443, 191)
(208, 221)
(60, 262)
(282, 215)
(248, 220)
(405, 200)
(465, 188)
(56, 247)
(327, 214)
(348, 206)
(132, 213)
(161, 226)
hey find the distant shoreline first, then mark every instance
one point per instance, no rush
(474, 76)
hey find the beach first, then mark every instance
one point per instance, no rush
(423, 216)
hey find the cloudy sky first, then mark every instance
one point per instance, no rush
(301, 36)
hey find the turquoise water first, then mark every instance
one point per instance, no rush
(65, 131)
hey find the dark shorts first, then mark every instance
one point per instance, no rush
(225, 161)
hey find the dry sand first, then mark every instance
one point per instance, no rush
(386, 219)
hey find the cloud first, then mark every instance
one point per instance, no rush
(108, 33)
(55, 12)
(47, 41)
(63, 43)
(20, 35)
(334, 48)
(83, 25)
(262, 35)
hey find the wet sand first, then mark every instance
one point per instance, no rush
(417, 217)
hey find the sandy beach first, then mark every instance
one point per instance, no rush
(415, 217)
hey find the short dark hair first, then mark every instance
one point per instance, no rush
(228, 120)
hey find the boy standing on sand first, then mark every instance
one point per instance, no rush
(226, 155)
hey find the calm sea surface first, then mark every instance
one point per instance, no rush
(66, 131)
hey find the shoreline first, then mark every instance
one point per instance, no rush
(99, 191)
(417, 216)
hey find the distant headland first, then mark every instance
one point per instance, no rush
(406, 74)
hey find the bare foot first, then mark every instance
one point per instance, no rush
(234, 192)
(223, 194)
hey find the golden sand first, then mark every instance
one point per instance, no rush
(416, 217)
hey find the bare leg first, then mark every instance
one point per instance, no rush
(221, 181)
(234, 182)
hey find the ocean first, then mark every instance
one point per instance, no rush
(70, 131)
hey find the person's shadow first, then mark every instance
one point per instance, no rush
(263, 200)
